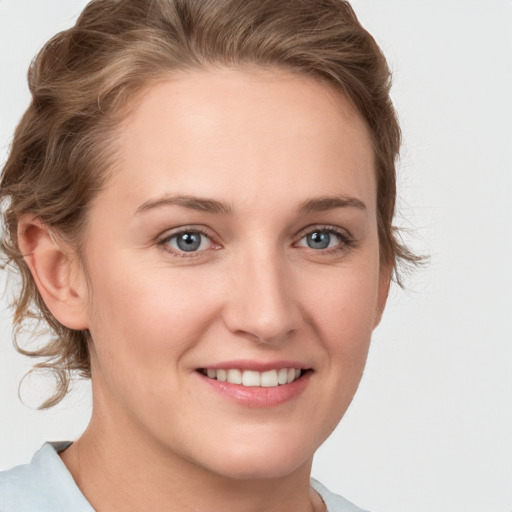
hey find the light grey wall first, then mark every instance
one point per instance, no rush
(431, 426)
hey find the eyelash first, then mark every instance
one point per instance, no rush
(163, 242)
(347, 241)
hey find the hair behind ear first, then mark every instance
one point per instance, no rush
(54, 284)
(56, 271)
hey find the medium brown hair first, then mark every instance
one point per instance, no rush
(83, 78)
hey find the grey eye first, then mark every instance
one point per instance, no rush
(321, 239)
(189, 241)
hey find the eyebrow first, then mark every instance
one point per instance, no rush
(319, 204)
(323, 204)
(191, 202)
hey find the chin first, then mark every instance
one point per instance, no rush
(262, 460)
(247, 470)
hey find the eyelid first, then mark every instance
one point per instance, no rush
(323, 227)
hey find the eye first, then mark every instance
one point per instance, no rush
(321, 239)
(188, 241)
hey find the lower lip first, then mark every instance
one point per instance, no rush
(257, 396)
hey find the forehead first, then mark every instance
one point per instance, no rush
(243, 133)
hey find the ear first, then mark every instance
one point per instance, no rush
(56, 270)
(385, 274)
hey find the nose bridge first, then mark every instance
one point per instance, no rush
(264, 305)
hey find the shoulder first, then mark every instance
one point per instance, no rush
(43, 485)
(334, 502)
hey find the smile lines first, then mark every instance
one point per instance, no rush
(251, 378)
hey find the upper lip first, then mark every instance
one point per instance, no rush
(257, 366)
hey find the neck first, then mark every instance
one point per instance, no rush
(119, 468)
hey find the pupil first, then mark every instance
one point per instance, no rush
(319, 240)
(189, 241)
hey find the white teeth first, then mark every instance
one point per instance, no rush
(269, 379)
(234, 376)
(251, 378)
(282, 376)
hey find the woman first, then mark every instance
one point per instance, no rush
(200, 202)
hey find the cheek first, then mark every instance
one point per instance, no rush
(344, 316)
(344, 310)
(146, 321)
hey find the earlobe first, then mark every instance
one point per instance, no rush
(55, 269)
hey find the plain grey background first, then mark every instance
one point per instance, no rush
(431, 426)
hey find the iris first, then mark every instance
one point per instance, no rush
(188, 241)
(319, 240)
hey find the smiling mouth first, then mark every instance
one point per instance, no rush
(251, 378)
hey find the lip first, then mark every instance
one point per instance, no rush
(257, 366)
(258, 397)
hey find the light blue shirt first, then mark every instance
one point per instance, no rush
(45, 485)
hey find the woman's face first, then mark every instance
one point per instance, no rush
(236, 239)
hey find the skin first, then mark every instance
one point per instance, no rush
(263, 143)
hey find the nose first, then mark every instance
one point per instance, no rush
(262, 304)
